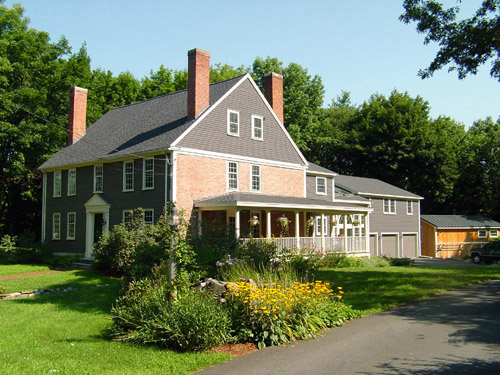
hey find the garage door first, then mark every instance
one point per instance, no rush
(390, 245)
(373, 245)
(410, 246)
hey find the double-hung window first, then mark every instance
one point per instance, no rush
(321, 228)
(98, 178)
(233, 123)
(257, 127)
(72, 181)
(321, 186)
(57, 183)
(389, 206)
(148, 181)
(494, 233)
(71, 226)
(127, 216)
(409, 207)
(149, 215)
(255, 180)
(56, 226)
(232, 175)
(128, 175)
(482, 233)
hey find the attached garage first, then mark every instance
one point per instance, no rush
(389, 245)
(410, 247)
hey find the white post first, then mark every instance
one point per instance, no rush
(367, 232)
(345, 233)
(268, 224)
(323, 245)
(297, 228)
(89, 235)
(237, 224)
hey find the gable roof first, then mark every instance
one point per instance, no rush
(460, 221)
(372, 187)
(319, 170)
(135, 129)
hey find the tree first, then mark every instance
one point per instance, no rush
(465, 44)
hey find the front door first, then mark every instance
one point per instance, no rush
(98, 226)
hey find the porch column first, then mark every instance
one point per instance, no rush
(323, 246)
(345, 233)
(237, 223)
(367, 232)
(297, 228)
(89, 235)
(268, 224)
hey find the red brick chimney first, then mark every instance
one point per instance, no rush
(77, 114)
(198, 81)
(273, 91)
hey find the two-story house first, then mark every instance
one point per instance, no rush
(218, 151)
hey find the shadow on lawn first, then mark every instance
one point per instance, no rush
(94, 293)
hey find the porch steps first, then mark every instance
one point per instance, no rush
(83, 264)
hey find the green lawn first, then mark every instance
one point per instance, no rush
(372, 290)
(13, 269)
(66, 332)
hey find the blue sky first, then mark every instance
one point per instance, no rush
(358, 46)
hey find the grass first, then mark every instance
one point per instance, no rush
(372, 290)
(13, 269)
(66, 332)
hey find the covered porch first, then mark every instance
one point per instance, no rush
(314, 225)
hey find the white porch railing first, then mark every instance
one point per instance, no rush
(313, 244)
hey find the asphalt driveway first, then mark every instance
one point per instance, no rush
(455, 332)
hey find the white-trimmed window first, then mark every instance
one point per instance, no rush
(149, 214)
(72, 181)
(233, 122)
(409, 207)
(71, 226)
(232, 175)
(321, 186)
(56, 226)
(357, 231)
(98, 178)
(318, 225)
(257, 127)
(127, 216)
(128, 175)
(494, 233)
(389, 206)
(148, 180)
(482, 233)
(57, 183)
(255, 178)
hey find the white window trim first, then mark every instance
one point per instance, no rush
(325, 225)
(237, 176)
(493, 235)
(251, 178)
(69, 180)
(74, 226)
(409, 204)
(261, 138)
(54, 227)
(389, 212)
(237, 134)
(325, 184)
(124, 212)
(152, 215)
(124, 188)
(144, 174)
(54, 193)
(102, 177)
(485, 233)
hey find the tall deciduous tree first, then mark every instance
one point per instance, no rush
(465, 44)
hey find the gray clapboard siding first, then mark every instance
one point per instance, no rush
(311, 188)
(400, 222)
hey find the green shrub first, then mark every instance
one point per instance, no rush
(336, 260)
(25, 249)
(376, 262)
(401, 262)
(306, 265)
(151, 313)
(260, 253)
(63, 261)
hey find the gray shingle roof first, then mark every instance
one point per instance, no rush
(233, 198)
(315, 168)
(371, 186)
(134, 129)
(460, 221)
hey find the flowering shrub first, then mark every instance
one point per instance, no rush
(275, 314)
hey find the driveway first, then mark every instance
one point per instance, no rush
(455, 332)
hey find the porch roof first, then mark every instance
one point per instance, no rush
(239, 199)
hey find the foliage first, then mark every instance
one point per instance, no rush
(259, 253)
(149, 313)
(401, 262)
(275, 315)
(375, 262)
(466, 44)
(24, 250)
(261, 274)
(336, 260)
(306, 264)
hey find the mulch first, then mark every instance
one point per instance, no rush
(19, 275)
(236, 350)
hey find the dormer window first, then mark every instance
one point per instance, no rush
(321, 186)
(257, 128)
(233, 123)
